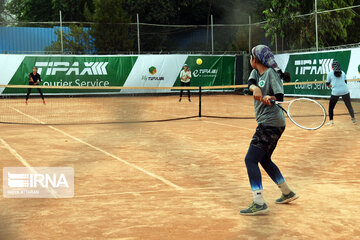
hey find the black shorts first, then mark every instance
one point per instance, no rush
(267, 137)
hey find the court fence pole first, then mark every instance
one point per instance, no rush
(212, 34)
(199, 101)
(138, 32)
(61, 34)
(249, 34)
(316, 27)
(276, 44)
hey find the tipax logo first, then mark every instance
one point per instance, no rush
(40, 182)
(313, 66)
(89, 68)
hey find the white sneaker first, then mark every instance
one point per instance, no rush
(354, 120)
(330, 123)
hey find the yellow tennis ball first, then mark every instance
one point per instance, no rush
(199, 61)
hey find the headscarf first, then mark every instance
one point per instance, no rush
(264, 54)
(337, 68)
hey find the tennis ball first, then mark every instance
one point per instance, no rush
(199, 61)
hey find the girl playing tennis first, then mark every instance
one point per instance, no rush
(185, 78)
(34, 79)
(266, 85)
(336, 79)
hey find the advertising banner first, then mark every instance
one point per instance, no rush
(107, 71)
(309, 67)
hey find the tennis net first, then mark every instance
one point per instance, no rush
(102, 105)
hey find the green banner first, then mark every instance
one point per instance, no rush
(73, 71)
(210, 70)
(108, 71)
(314, 67)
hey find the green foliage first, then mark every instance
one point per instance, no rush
(155, 38)
(29, 10)
(111, 31)
(300, 32)
(169, 12)
(48, 10)
(77, 41)
(71, 10)
(2, 10)
(334, 26)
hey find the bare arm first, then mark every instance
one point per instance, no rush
(258, 95)
(256, 92)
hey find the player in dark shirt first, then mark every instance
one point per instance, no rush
(34, 79)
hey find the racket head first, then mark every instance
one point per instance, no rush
(306, 113)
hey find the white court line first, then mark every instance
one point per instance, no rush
(167, 182)
(25, 163)
(144, 192)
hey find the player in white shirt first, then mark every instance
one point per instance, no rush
(185, 77)
(336, 79)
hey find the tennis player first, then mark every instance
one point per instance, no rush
(336, 79)
(266, 85)
(185, 77)
(34, 79)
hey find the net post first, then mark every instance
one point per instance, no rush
(199, 101)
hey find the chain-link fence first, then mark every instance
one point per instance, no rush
(309, 32)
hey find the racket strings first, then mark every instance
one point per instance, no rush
(307, 113)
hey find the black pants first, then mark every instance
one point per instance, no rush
(187, 85)
(29, 91)
(347, 101)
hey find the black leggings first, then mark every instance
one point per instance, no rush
(29, 91)
(347, 101)
(187, 85)
(261, 148)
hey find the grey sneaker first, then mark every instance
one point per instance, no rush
(354, 120)
(255, 209)
(330, 123)
(287, 198)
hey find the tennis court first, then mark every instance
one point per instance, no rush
(181, 179)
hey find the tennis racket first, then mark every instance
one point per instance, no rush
(305, 113)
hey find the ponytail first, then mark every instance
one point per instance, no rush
(337, 69)
(284, 76)
(337, 73)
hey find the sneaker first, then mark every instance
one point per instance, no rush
(44, 102)
(255, 209)
(354, 120)
(180, 100)
(26, 103)
(189, 100)
(287, 198)
(330, 123)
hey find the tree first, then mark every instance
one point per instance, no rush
(238, 12)
(29, 10)
(71, 10)
(299, 32)
(76, 41)
(111, 31)
(334, 26)
(3, 13)
(160, 38)
(45, 10)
